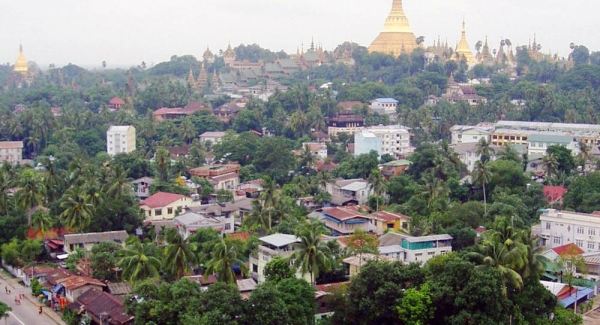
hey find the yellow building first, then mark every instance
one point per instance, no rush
(164, 206)
(397, 37)
(383, 221)
(463, 50)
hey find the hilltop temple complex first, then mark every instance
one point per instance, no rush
(397, 37)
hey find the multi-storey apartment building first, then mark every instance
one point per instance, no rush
(564, 227)
(395, 141)
(120, 139)
(282, 245)
(11, 152)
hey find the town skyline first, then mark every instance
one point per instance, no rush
(125, 34)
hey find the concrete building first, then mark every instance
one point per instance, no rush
(317, 149)
(346, 122)
(213, 137)
(282, 245)
(384, 106)
(164, 205)
(564, 227)
(395, 141)
(11, 152)
(345, 220)
(120, 139)
(366, 141)
(471, 134)
(467, 153)
(223, 177)
(87, 240)
(539, 143)
(188, 223)
(383, 221)
(409, 249)
(346, 191)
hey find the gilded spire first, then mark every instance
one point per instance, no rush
(463, 50)
(21, 65)
(396, 31)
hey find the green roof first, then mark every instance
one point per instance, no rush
(397, 163)
(558, 139)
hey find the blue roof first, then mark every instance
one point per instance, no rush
(386, 100)
(581, 294)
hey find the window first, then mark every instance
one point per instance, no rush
(265, 258)
(579, 243)
(158, 212)
(548, 225)
(227, 226)
(557, 240)
(443, 252)
(169, 210)
(591, 245)
(418, 255)
(431, 253)
(404, 225)
(580, 230)
(592, 231)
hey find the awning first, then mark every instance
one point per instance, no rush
(47, 293)
(52, 245)
(62, 256)
(550, 276)
(580, 295)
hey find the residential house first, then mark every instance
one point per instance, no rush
(235, 210)
(164, 205)
(75, 286)
(345, 220)
(462, 93)
(471, 134)
(325, 307)
(347, 191)
(120, 139)
(365, 142)
(409, 249)
(569, 295)
(171, 113)
(213, 137)
(115, 104)
(560, 227)
(325, 165)
(394, 168)
(11, 152)
(394, 141)
(37, 272)
(228, 111)
(384, 106)
(141, 187)
(103, 308)
(205, 281)
(282, 245)
(384, 221)
(224, 177)
(356, 262)
(246, 286)
(540, 142)
(554, 194)
(177, 152)
(189, 222)
(346, 122)
(119, 289)
(317, 149)
(467, 153)
(86, 241)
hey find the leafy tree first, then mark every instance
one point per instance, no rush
(4, 311)
(77, 212)
(564, 158)
(416, 306)
(104, 260)
(268, 307)
(299, 299)
(584, 194)
(278, 269)
(178, 254)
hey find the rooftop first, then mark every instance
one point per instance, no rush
(343, 213)
(280, 240)
(96, 237)
(11, 144)
(386, 100)
(161, 199)
(427, 238)
(568, 249)
(74, 282)
(119, 128)
(387, 216)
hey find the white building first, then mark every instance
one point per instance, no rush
(11, 152)
(366, 141)
(383, 106)
(316, 148)
(395, 141)
(282, 245)
(188, 223)
(540, 142)
(564, 227)
(409, 249)
(213, 137)
(467, 153)
(471, 134)
(344, 191)
(120, 139)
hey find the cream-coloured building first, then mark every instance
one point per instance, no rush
(395, 141)
(282, 245)
(11, 152)
(120, 139)
(471, 134)
(564, 227)
(162, 205)
(87, 240)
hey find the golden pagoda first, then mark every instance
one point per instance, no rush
(397, 37)
(202, 78)
(191, 80)
(229, 55)
(463, 50)
(214, 84)
(208, 56)
(21, 65)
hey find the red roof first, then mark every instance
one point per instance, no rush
(554, 193)
(73, 282)
(103, 305)
(568, 249)
(116, 101)
(388, 216)
(161, 199)
(37, 270)
(240, 235)
(343, 213)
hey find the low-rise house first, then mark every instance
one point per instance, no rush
(76, 285)
(11, 152)
(345, 220)
(213, 137)
(394, 168)
(115, 104)
(348, 191)
(564, 227)
(103, 308)
(467, 153)
(325, 165)
(228, 111)
(223, 177)
(87, 240)
(171, 113)
(414, 249)
(383, 106)
(189, 222)
(177, 152)
(141, 187)
(205, 281)
(540, 142)
(235, 210)
(346, 122)
(37, 272)
(246, 286)
(568, 295)
(356, 262)
(384, 221)
(119, 289)
(164, 205)
(282, 245)
(554, 194)
(317, 149)
(471, 134)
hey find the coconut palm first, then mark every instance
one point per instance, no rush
(497, 255)
(119, 185)
(179, 254)
(307, 158)
(259, 217)
(269, 195)
(509, 153)
(77, 211)
(378, 184)
(482, 176)
(298, 123)
(585, 155)
(224, 259)
(53, 178)
(187, 131)
(432, 188)
(5, 184)
(485, 150)
(138, 263)
(311, 255)
(550, 164)
(30, 193)
(41, 221)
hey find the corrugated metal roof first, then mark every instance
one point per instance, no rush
(280, 240)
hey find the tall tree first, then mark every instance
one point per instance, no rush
(179, 254)
(30, 193)
(485, 150)
(77, 211)
(138, 262)
(482, 176)
(378, 184)
(224, 258)
(311, 256)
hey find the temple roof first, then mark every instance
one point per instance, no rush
(463, 49)
(397, 36)
(21, 65)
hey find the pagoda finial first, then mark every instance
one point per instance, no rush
(312, 44)
(21, 48)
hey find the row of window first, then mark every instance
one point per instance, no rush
(580, 229)
(590, 245)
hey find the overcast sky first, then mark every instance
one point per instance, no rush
(127, 32)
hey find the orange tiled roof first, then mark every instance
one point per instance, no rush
(161, 199)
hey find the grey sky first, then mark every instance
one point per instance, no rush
(126, 32)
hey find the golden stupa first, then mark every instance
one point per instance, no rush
(396, 37)
(463, 50)
(21, 65)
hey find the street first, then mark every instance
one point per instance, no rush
(27, 312)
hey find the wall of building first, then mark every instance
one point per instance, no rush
(166, 212)
(562, 227)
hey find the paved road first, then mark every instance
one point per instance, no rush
(27, 312)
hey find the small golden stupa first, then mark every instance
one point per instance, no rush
(397, 37)
(21, 65)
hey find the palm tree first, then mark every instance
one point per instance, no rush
(550, 164)
(138, 263)
(310, 256)
(509, 153)
(482, 176)
(5, 184)
(30, 192)
(585, 154)
(54, 180)
(433, 188)
(224, 259)
(179, 254)
(378, 184)
(307, 158)
(77, 211)
(162, 159)
(298, 123)
(323, 178)
(485, 150)
(4, 312)
(120, 184)
(41, 221)
(187, 131)
(496, 255)
(269, 195)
